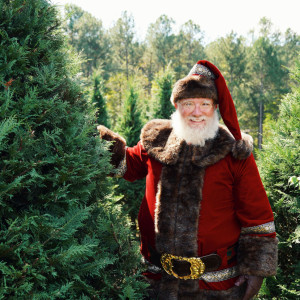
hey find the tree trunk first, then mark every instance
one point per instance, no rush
(260, 133)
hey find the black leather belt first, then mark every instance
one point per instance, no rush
(182, 266)
(212, 262)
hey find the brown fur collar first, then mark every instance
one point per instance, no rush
(162, 144)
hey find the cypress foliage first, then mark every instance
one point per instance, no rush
(162, 90)
(280, 169)
(57, 240)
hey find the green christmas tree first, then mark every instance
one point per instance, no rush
(280, 169)
(99, 100)
(129, 126)
(62, 236)
(162, 90)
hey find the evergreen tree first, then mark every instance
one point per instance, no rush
(115, 90)
(89, 38)
(189, 48)
(280, 169)
(161, 91)
(99, 99)
(268, 76)
(160, 41)
(73, 14)
(129, 126)
(126, 50)
(229, 54)
(57, 240)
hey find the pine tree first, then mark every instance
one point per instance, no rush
(189, 48)
(62, 236)
(161, 40)
(280, 169)
(87, 35)
(268, 76)
(99, 99)
(125, 48)
(162, 90)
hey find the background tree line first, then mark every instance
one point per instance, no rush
(255, 67)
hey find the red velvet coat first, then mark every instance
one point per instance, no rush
(233, 203)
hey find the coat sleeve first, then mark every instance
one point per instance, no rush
(257, 254)
(136, 163)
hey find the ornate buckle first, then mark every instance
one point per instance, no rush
(197, 266)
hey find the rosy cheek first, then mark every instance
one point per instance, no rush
(183, 111)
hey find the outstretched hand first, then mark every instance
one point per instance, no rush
(253, 285)
(118, 146)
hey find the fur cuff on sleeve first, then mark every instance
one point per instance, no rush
(257, 256)
(118, 146)
(243, 148)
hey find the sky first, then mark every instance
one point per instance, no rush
(216, 18)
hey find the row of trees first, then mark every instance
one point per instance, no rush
(255, 67)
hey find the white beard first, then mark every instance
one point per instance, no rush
(195, 135)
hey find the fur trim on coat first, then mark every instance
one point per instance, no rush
(250, 263)
(161, 143)
(234, 293)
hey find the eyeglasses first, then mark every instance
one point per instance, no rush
(190, 106)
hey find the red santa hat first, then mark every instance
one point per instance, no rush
(206, 81)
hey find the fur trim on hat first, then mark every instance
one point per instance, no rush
(194, 86)
(257, 255)
(117, 147)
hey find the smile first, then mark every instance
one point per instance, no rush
(197, 120)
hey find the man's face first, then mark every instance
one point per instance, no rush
(196, 111)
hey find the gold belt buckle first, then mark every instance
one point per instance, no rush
(197, 266)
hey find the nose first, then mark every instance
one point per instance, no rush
(197, 111)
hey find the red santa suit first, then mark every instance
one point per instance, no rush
(202, 200)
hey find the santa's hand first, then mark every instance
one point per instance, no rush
(253, 285)
(118, 144)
